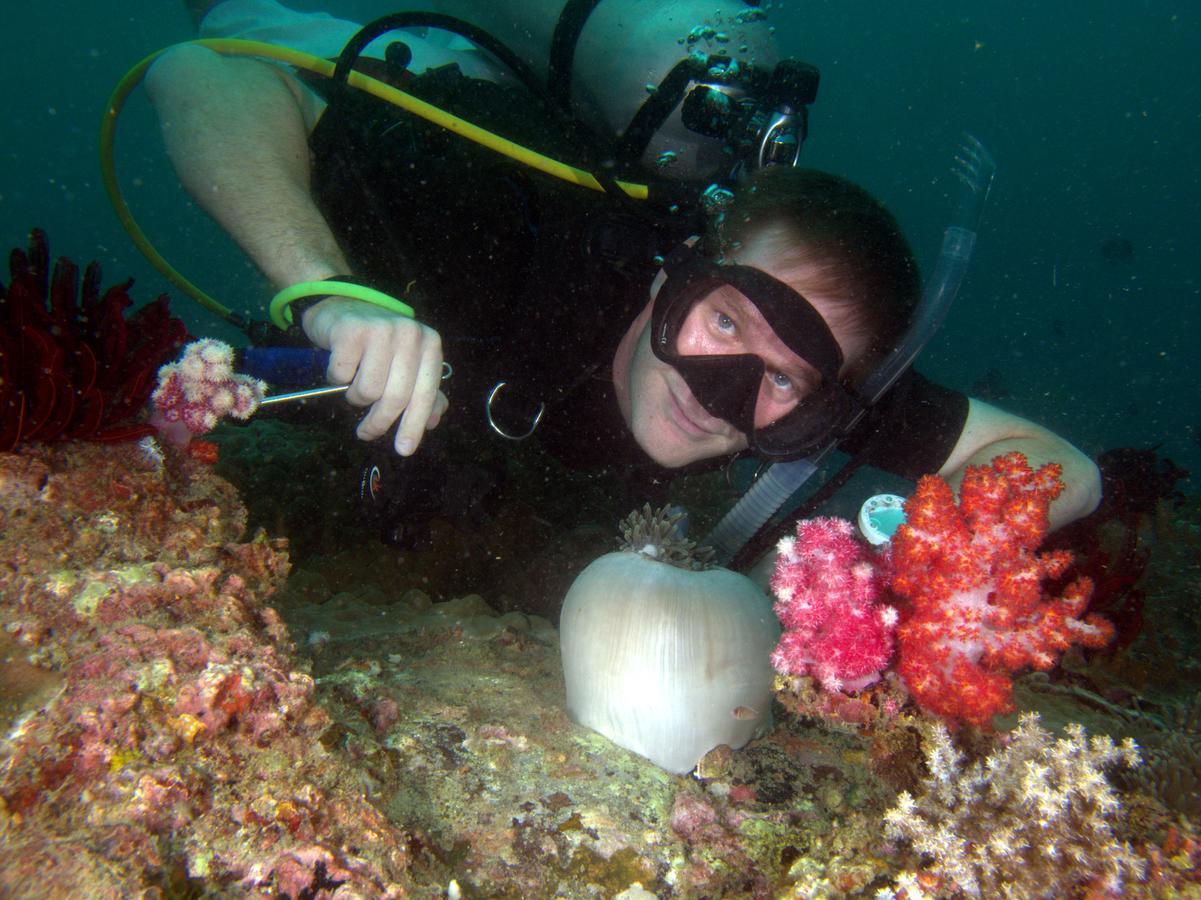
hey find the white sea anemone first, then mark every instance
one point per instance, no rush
(664, 657)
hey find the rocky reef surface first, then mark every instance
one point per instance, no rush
(158, 731)
(180, 718)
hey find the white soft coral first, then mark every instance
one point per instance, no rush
(1033, 819)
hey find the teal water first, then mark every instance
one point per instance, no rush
(1090, 110)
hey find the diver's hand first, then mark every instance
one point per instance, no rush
(392, 363)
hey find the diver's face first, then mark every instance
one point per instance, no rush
(667, 420)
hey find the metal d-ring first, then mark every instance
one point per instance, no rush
(501, 431)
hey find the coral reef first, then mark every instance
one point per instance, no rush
(71, 364)
(827, 598)
(1168, 732)
(976, 611)
(1035, 819)
(160, 733)
(456, 715)
(1171, 745)
(181, 747)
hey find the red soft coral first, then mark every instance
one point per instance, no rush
(977, 609)
(827, 590)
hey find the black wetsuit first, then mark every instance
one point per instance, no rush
(528, 279)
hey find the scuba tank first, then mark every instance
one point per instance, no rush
(602, 60)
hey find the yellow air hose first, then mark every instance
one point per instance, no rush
(323, 67)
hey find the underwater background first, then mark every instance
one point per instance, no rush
(1081, 310)
(215, 681)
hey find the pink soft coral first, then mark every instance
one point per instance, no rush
(194, 393)
(827, 591)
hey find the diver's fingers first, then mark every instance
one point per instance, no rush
(363, 340)
(344, 357)
(371, 378)
(441, 405)
(424, 401)
(395, 394)
(391, 363)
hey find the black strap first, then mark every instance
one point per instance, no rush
(369, 32)
(562, 50)
(656, 108)
(793, 318)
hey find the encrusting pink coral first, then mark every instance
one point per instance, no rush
(827, 599)
(181, 737)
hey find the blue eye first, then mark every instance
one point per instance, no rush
(725, 323)
(780, 381)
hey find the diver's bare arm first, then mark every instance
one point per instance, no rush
(236, 130)
(990, 432)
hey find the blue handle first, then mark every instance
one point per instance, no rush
(284, 365)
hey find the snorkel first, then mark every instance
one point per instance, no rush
(974, 168)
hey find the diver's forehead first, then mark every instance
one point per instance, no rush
(765, 248)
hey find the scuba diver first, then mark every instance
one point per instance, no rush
(737, 307)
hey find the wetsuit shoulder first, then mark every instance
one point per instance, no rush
(912, 430)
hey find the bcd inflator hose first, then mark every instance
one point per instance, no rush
(756, 507)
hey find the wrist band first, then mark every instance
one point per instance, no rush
(281, 315)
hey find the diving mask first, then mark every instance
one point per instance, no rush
(727, 386)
